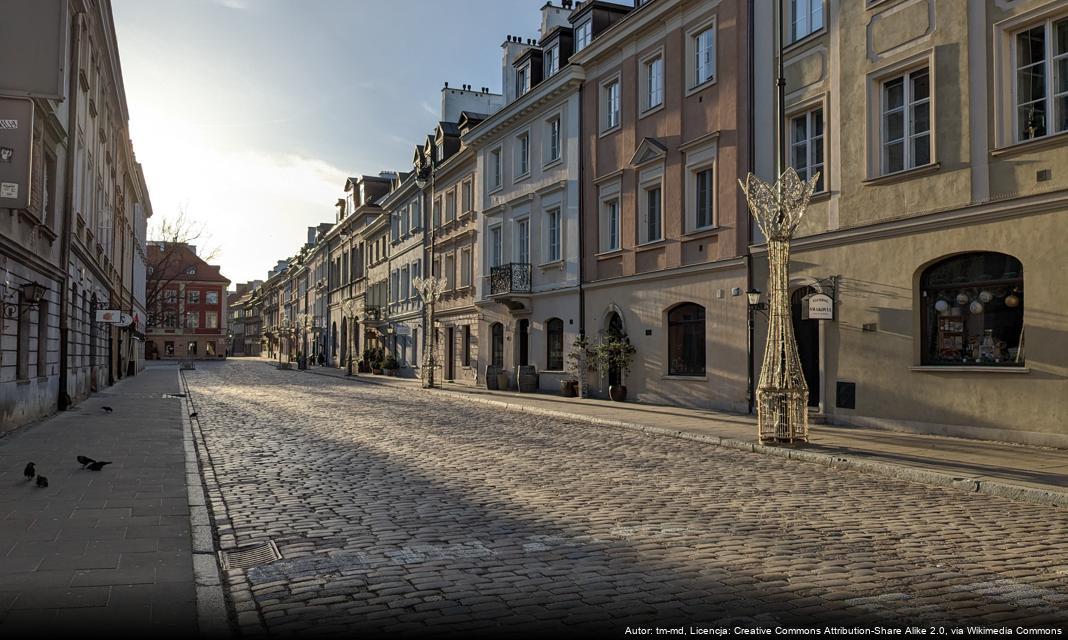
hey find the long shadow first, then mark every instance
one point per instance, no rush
(512, 536)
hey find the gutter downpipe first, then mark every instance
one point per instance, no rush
(751, 161)
(581, 236)
(63, 400)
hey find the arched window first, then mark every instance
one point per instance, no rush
(554, 344)
(497, 340)
(972, 306)
(686, 340)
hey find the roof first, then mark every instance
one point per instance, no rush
(172, 261)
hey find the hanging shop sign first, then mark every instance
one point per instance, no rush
(115, 317)
(818, 306)
(16, 138)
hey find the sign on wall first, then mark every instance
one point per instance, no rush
(818, 306)
(114, 316)
(16, 145)
(33, 46)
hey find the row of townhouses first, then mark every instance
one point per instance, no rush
(598, 195)
(73, 211)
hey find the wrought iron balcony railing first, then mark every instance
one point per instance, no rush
(373, 312)
(513, 277)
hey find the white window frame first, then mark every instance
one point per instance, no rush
(495, 169)
(522, 155)
(652, 178)
(1049, 65)
(522, 79)
(449, 265)
(495, 247)
(554, 237)
(804, 12)
(610, 107)
(466, 266)
(583, 34)
(698, 159)
(554, 139)
(809, 143)
(552, 60)
(647, 78)
(908, 161)
(450, 199)
(521, 253)
(467, 196)
(693, 82)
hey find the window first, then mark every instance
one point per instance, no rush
(522, 241)
(973, 311)
(610, 96)
(168, 348)
(703, 198)
(170, 320)
(192, 296)
(405, 284)
(466, 266)
(522, 155)
(437, 212)
(522, 80)
(610, 225)
(192, 320)
(211, 319)
(191, 348)
(554, 241)
(415, 347)
(552, 60)
(440, 150)
(22, 345)
(42, 338)
(1041, 79)
(686, 340)
(806, 16)
(467, 346)
(450, 271)
(653, 82)
(170, 296)
(467, 197)
(494, 177)
(553, 144)
(583, 35)
(496, 246)
(650, 228)
(704, 56)
(450, 205)
(497, 340)
(191, 271)
(554, 344)
(416, 215)
(906, 121)
(212, 297)
(806, 145)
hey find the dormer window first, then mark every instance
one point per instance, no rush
(552, 60)
(583, 35)
(441, 151)
(522, 80)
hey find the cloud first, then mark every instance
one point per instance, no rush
(234, 4)
(429, 109)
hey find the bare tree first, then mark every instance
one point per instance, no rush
(170, 235)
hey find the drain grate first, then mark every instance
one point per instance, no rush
(250, 556)
(173, 395)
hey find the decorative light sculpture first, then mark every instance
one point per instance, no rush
(782, 395)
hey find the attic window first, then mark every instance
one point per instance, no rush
(191, 271)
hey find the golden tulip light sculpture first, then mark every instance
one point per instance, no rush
(782, 395)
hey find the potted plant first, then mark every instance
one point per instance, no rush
(366, 358)
(615, 352)
(390, 365)
(581, 359)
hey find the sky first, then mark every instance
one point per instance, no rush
(248, 115)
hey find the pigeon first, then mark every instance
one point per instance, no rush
(30, 471)
(97, 466)
(85, 460)
(193, 415)
(42, 482)
(107, 409)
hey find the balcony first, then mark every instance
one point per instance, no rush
(373, 313)
(510, 285)
(510, 278)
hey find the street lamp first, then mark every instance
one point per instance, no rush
(754, 306)
(348, 307)
(430, 289)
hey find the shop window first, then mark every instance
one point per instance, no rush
(554, 332)
(686, 340)
(972, 306)
(168, 348)
(191, 348)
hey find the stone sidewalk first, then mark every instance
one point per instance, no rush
(1034, 474)
(108, 550)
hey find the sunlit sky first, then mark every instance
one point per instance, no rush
(250, 114)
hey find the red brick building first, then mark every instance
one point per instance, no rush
(186, 301)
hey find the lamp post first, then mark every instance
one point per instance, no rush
(348, 307)
(430, 285)
(430, 289)
(754, 306)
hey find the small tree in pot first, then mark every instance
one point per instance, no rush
(390, 365)
(615, 352)
(581, 360)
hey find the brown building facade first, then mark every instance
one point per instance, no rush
(187, 305)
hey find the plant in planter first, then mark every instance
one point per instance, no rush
(615, 353)
(581, 360)
(390, 365)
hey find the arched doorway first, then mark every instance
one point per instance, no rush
(344, 341)
(614, 328)
(523, 333)
(807, 333)
(333, 342)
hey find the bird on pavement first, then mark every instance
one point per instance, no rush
(97, 466)
(85, 460)
(107, 409)
(42, 481)
(30, 471)
(193, 415)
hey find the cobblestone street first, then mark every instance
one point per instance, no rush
(419, 513)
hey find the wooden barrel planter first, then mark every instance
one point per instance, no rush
(491, 377)
(526, 378)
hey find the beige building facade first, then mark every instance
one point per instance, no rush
(941, 133)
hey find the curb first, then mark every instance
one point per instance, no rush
(922, 476)
(213, 619)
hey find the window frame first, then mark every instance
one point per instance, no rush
(495, 170)
(554, 338)
(1049, 66)
(908, 104)
(646, 107)
(807, 112)
(521, 244)
(552, 60)
(693, 84)
(607, 125)
(792, 19)
(698, 159)
(649, 179)
(522, 79)
(554, 237)
(521, 156)
(583, 34)
(554, 129)
(495, 247)
(702, 339)
(876, 79)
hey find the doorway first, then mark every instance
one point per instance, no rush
(524, 342)
(450, 353)
(614, 328)
(807, 333)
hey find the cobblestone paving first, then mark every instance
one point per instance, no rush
(410, 513)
